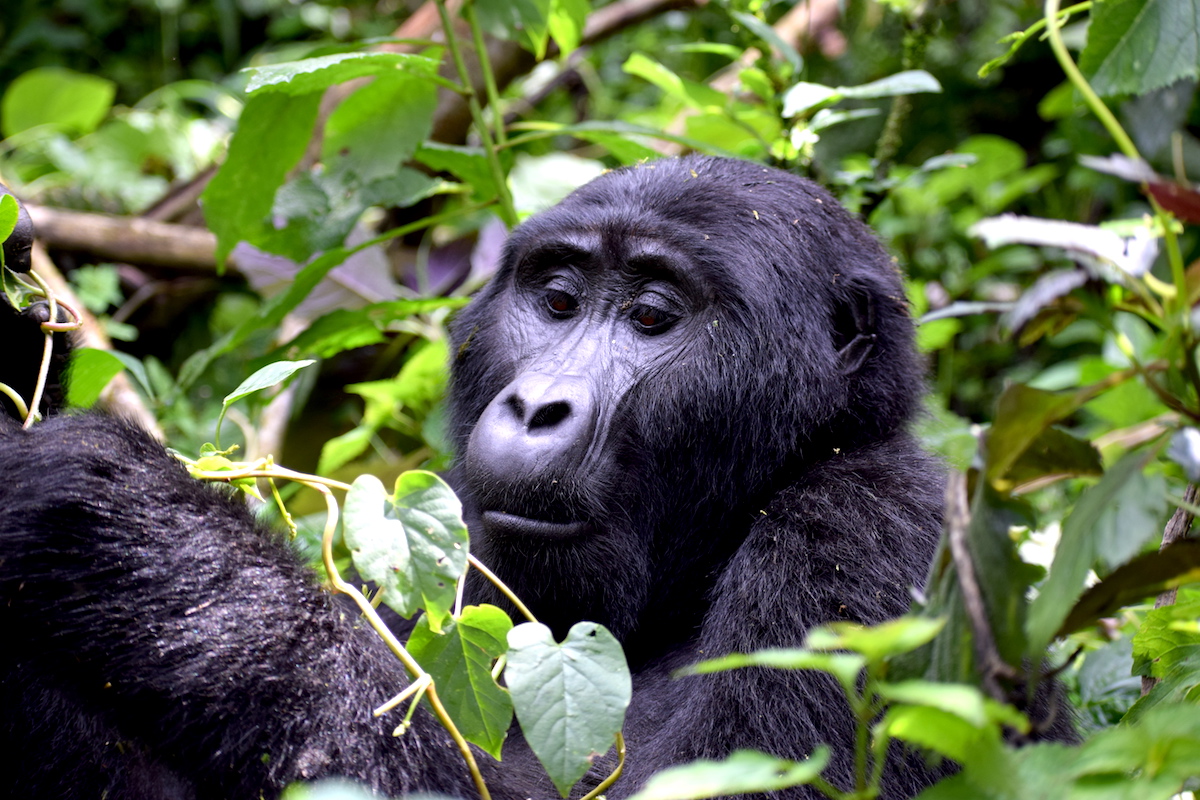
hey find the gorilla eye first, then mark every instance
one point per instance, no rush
(648, 319)
(560, 304)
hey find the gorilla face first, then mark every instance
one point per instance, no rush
(657, 355)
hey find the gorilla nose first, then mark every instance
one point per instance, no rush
(537, 427)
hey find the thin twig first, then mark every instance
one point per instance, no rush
(958, 519)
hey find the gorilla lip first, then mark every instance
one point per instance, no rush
(505, 524)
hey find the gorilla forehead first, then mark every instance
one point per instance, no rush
(743, 228)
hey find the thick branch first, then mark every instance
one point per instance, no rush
(133, 240)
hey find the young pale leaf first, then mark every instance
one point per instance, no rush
(1137, 46)
(413, 544)
(913, 81)
(567, 18)
(460, 661)
(940, 731)
(744, 772)
(317, 74)
(570, 698)
(264, 378)
(1093, 246)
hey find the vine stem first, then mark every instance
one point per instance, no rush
(389, 638)
(499, 584)
(1127, 147)
(507, 212)
(616, 773)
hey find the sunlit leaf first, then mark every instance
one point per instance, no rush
(460, 660)
(413, 544)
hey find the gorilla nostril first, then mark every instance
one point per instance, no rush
(516, 405)
(549, 415)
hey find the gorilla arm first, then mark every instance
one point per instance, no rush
(812, 557)
(160, 605)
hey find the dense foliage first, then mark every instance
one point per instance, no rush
(359, 174)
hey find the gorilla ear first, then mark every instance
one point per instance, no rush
(854, 329)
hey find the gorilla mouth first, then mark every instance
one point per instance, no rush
(501, 523)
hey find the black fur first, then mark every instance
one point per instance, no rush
(680, 409)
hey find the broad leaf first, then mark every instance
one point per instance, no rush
(272, 134)
(1136, 46)
(570, 698)
(10, 211)
(413, 544)
(68, 101)
(460, 661)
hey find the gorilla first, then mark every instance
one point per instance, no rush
(680, 411)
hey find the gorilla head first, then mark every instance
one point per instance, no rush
(657, 356)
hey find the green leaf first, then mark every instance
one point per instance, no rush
(876, 642)
(1022, 416)
(264, 378)
(1137, 46)
(570, 698)
(460, 661)
(566, 22)
(468, 164)
(526, 21)
(966, 702)
(313, 75)
(743, 772)
(68, 101)
(846, 667)
(1110, 522)
(90, 371)
(320, 208)
(375, 131)
(768, 34)
(1178, 670)
(936, 729)
(1158, 635)
(346, 329)
(9, 213)
(696, 95)
(413, 544)
(1146, 575)
(272, 134)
